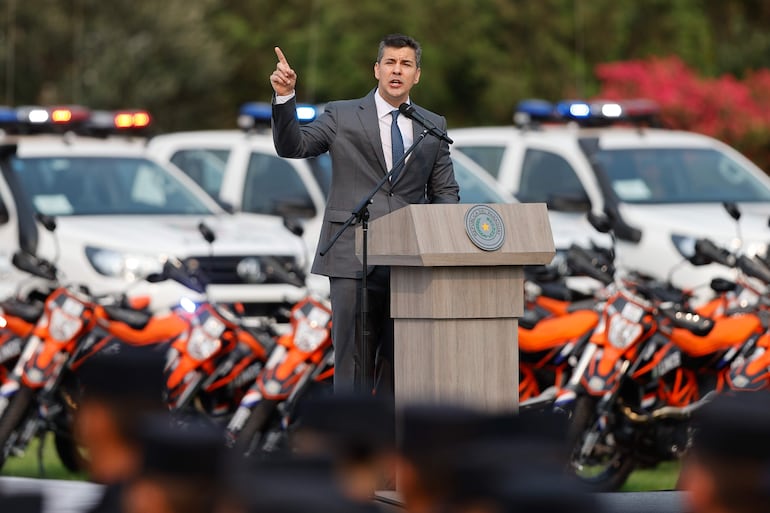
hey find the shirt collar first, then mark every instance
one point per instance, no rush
(383, 107)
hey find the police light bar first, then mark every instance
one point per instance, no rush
(67, 115)
(593, 113)
(258, 114)
(34, 119)
(106, 122)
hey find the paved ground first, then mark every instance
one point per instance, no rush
(77, 497)
(59, 496)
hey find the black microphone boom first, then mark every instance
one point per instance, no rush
(410, 112)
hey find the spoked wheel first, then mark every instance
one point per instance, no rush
(595, 459)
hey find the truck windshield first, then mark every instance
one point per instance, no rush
(679, 175)
(64, 186)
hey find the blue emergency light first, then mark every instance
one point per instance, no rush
(258, 114)
(585, 113)
(7, 115)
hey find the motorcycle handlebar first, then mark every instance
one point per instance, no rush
(714, 253)
(582, 261)
(754, 268)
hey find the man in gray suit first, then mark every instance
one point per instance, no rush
(365, 137)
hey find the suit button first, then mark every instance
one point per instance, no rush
(390, 194)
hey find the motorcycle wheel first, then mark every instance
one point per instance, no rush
(250, 436)
(610, 471)
(69, 453)
(15, 412)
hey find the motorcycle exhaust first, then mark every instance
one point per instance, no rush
(667, 412)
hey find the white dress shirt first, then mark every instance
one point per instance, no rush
(384, 110)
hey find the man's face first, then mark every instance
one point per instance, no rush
(396, 73)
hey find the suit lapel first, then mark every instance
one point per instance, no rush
(367, 114)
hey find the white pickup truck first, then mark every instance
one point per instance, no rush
(120, 213)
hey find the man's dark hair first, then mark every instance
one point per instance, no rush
(400, 41)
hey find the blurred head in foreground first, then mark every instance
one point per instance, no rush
(356, 433)
(728, 467)
(117, 390)
(181, 468)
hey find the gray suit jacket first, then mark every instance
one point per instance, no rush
(349, 131)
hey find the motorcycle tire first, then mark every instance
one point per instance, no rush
(250, 436)
(16, 411)
(615, 473)
(69, 453)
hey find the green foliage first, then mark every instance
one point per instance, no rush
(192, 62)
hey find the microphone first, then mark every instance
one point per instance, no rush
(410, 112)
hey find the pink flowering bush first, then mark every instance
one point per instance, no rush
(734, 111)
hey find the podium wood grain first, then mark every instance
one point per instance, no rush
(454, 305)
(457, 361)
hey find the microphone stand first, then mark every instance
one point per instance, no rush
(365, 382)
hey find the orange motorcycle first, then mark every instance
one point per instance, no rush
(556, 326)
(41, 393)
(301, 359)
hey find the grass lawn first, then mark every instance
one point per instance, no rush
(27, 465)
(662, 477)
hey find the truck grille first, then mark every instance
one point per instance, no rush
(234, 270)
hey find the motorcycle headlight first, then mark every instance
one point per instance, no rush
(623, 332)
(201, 345)
(308, 338)
(63, 327)
(204, 339)
(117, 264)
(311, 329)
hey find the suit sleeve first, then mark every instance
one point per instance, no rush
(442, 186)
(294, 141)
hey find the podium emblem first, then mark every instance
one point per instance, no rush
(485, 227)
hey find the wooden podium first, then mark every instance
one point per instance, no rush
(456, 306)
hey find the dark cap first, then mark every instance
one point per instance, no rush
(125, 373)
(21, 503)
(735, 427)
(187, 451)
(544, 492)
(492, 468)
(540, 432)
(429, 430)
(283, 484)
(350, 423)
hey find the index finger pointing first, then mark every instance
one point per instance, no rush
(281, 57)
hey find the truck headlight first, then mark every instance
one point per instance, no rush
(117, 264)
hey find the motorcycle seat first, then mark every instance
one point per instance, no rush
(727, 332)
(135, 319)
(28, 312)
(555, 331)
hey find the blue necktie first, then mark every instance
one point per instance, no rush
(397, 143)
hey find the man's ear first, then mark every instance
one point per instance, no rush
(417, 75)
(377, 70)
